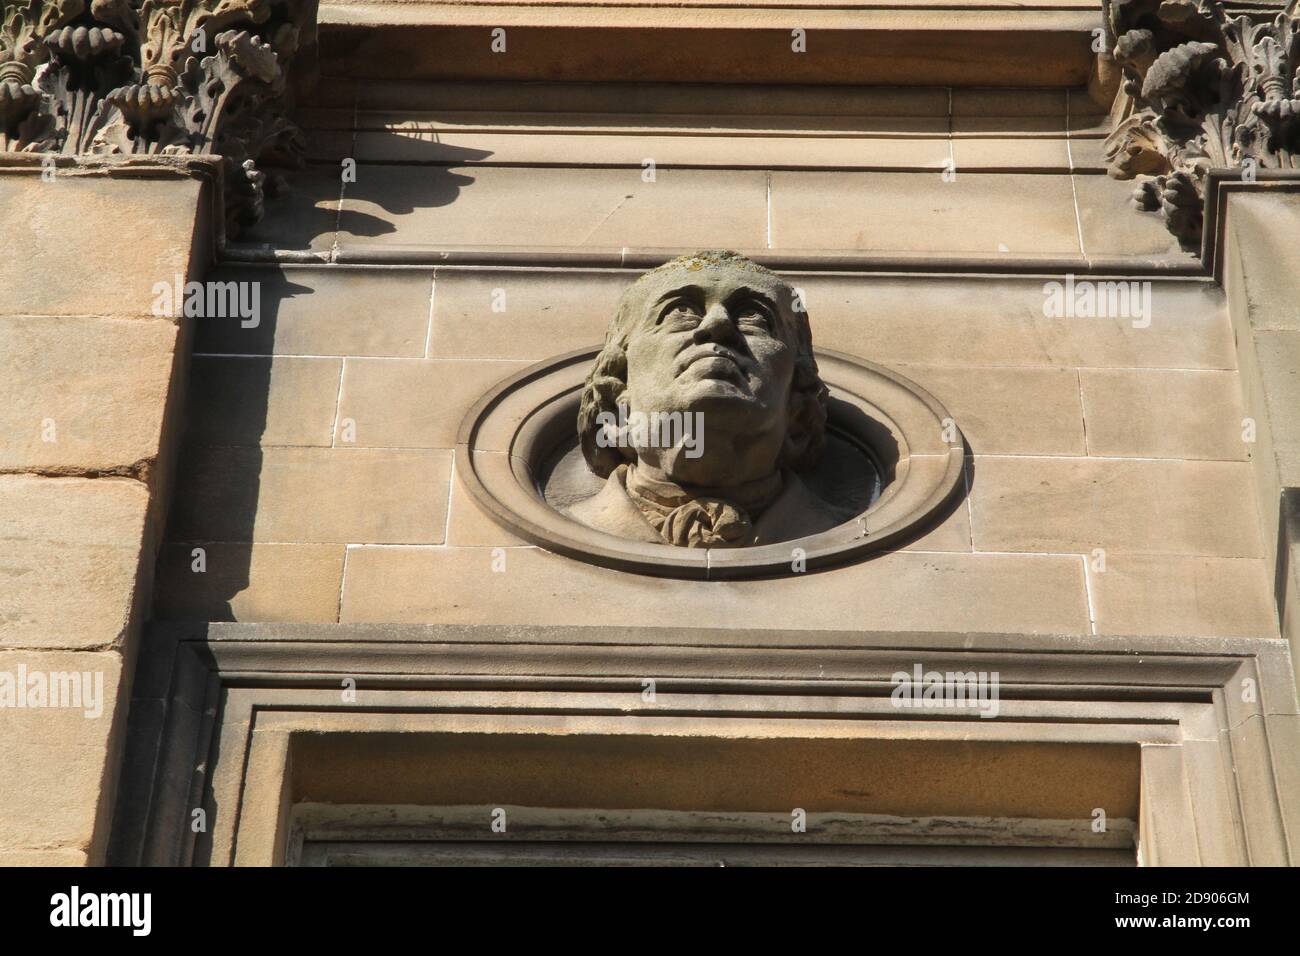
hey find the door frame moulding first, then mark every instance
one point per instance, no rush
(217, 706)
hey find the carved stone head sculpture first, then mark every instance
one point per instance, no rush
(703, 404)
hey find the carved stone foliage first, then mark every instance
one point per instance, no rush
(165, 77)
(1204, 90)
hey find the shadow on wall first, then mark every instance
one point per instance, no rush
(206, 557)
(315, 203)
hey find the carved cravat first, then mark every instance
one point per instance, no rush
(701, 517)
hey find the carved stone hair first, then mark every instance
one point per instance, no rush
(806, 414)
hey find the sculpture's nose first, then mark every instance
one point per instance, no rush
(716, 326)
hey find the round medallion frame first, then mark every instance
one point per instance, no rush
(510, 435)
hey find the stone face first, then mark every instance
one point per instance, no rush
(413, 404)
(1111, 500)
(66, 594)
(1168, 594)
(69, 559)
(1278, 354)
(256, 582)
(1064, 504)
(312, 495)
(313, 311)
(1264, 228)
(896, 592)
(108, 512)
(623, 149)
(1143, 414)
(59, 753)
(1108, 234)
(1009, 411)
(48, 425)
(263, 401)
(127, 235)
(505, 206)
(977, 214)
(511, 315)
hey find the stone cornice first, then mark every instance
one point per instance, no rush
(1203, 90)
(863, 42)
(156, 78)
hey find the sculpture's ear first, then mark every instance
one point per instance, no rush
(805, 431)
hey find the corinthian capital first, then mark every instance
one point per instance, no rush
(1202, 90)
(154, 77)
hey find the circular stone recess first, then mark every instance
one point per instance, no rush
(892, 452)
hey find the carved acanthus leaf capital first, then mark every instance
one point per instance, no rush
(151, 77)
(1202, 90)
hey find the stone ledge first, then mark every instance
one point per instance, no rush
(998, 46)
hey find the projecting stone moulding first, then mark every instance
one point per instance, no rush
(1202, 90)
(157, 78)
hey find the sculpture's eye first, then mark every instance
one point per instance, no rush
(681, 312)
(753, 318)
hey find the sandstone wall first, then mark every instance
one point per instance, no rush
(86, 407)
(1110, 486)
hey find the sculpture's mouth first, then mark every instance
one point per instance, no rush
(714, 363)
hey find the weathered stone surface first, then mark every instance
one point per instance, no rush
(66, 594)
(304, 218)
(509, 206)
(469, 526)
(1175, 594)
(521, 315)
(1003, 154)
(309, 310)
(972, 102)
(939, 321)
(900, 591)
(1264, 229)
(630, 149)
(1278, 355)
(57, 753)
(263, 401)
(1078, 504)
(1145, 414)
(412, 404)
(1108, 234)
(659, 102)
(979, 213)
(69, 559)
(108, 512)
(964, 322)
(43, 857)
(312, 495)
(249, 582)
(1009, 411)
(126, 235)
(83, 394)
